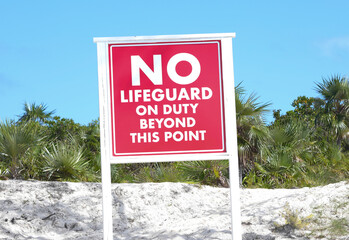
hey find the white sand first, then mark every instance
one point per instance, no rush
(52, 210)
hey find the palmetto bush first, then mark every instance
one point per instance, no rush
(331, 165)
(287, 153)
(160, 172)
(206, 172)
(65, 161)
(19, 144)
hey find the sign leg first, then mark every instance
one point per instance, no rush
(235, 199)
(107, 201)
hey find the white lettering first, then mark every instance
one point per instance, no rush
(206, 93)
(137, 64)
(179, 136)
(142, 110)
(195, 72)
(158, 95)
(145, 137)
(151, 123)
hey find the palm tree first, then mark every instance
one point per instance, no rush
(251, 129)
(335, 117)
(34, 112)
(287, 151)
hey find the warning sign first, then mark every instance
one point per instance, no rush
(166, 98)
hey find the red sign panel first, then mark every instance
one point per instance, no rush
(166, 98)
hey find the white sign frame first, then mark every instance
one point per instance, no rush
(229, 115)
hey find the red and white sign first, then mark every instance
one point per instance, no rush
(161, 99)
(166, 98)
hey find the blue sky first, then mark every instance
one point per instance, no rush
(47, 53)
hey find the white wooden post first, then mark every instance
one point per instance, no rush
(105, 161)
(231, 133)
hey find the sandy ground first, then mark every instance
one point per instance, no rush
(53, 210)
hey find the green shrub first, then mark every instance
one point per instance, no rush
(64, 161)
(207, 172)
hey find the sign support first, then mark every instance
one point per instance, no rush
(105, 164)
(179, 92)
(232, 140)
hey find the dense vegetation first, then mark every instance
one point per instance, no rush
(307, 146)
